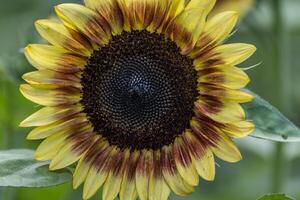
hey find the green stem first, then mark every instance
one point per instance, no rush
(279, 75)
(278, 171)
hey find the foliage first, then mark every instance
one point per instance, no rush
(275, 197)
(18, 168)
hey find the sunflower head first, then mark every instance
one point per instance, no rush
(140, 94)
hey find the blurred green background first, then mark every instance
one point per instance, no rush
(272, 25)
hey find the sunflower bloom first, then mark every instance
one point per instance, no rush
(140, 94)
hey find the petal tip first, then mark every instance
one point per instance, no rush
(24, 124)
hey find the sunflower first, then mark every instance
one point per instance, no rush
(140, 94)
(240, 6)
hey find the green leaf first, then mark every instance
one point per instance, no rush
(275, 197)
(18, 168)
(269, 122)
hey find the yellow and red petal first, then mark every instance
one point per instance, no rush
(111, 13)
(175, 8)
(216, 30)
(226, 149)
(156, 20)
(228, 54)
(48, 115)
(128, 189)
(201, 155)
(220, 144)
(77, 144)
(220, 111)
(58, 35)
(224, 76)
(233, 54)
(158, 188)
(143, 171)
(186, 28)
(238, 129)
(64, 125)
(55, 97)
(223, 93)
(99, 159)
(113, 182)
(184, 163)
(84, 164)
(54, 58)
(51, 80)
(85, 20)
(49, 148)
(171, 175)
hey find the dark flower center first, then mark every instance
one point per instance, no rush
(139, 91)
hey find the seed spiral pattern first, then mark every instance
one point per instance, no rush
(138, 91)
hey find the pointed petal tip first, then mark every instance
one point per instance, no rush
(39, 22)
(38, 157)
(24, 124)
(29, 137)
(75, 184)
(210, 178)
(22, 89)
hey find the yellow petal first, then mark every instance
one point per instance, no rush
(159, 9)
(225, 76)
(231, 112)
(226, 149)
(145, 164)
(158, 188)
(49, 115)
(58, 35)
(240, 6)
(206, 165)
(175, 8)
(98, 173)
(111, 187)
(239, 129)
(207, 4)
(226, 94)
(171, 175)
(65, 157)
(75, 147)
(59, 126)
(49, 97)
(51, 80)
(138, 14)
(127, 14)
(201, 156)
(85, 20)
(110, 11)
(128, 188)
(113, 182)
(53, 58)
(184, 163)
(187, 28)
(227, 112)
(220, 144)
(80, 173)
(217, 29)
(49, 148)
(94, 181)
(233, 54)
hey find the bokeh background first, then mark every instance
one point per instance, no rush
(272, 25)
